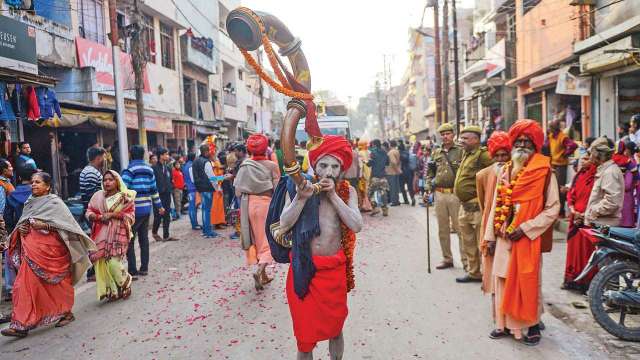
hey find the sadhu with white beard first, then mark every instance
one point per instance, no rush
(525, 205)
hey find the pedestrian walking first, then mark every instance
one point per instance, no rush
(112, 212)
(48, 248)
(561, 147)
(177, 177)
(205, 188)
(379, 186)
(90, 181)
(365, 176)
(256, 179)
(140, 178)
(393, 172)
(440, 179)
(408, 164)
(525, 206)
(190, 187)
(164, 184)
(474, 159)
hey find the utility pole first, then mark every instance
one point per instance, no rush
(437, 62)
(139, 46)
(123, 144)
(380, 112)
(455, 64)
(445, 60)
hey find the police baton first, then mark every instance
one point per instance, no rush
(428, 238)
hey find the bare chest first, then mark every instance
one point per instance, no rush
(329, 241)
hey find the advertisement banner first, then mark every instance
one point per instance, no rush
(98, 56)
(152, 122)
(17, 46)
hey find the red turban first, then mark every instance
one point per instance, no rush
(257, 144)
(499, 140)
(530, 129)
(336, 146)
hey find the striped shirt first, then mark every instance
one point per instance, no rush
(139, 177)
(90, 182)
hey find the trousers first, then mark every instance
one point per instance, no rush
(193, 209)
(469, 222)
(447, 208)
(140, 231)
(207, 200)
(165, 198)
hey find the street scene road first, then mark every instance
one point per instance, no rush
(198, 302)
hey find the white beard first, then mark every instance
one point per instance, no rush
(519, 158)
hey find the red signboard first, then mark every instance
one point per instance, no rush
(98, 56)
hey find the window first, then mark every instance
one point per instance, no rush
(123, 21)
(91, 20)
(239, 74)
(187, 86)
(150, 33)
(166, 46)
(202, 92)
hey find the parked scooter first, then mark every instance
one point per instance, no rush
(614, 299)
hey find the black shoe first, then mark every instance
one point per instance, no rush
(467, 279)
(142, 273)
(395, 204)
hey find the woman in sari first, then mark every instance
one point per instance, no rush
(112, 213)
(49, 249)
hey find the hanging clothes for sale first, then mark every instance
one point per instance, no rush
(17, 102)
(48, 102)
(33, 109)
(6, 109)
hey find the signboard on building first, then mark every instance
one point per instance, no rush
(17, 46)
(98, 56)
(569, 84)
(152, 122)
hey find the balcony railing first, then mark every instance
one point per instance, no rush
(230, 99)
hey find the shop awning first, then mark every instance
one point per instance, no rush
(75, 117)
(610, 56)
(13, 76)
(205, 130)
(547, 79)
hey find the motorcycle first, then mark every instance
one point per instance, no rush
(614, 297)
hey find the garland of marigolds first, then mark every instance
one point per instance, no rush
(504, 205)
(348, 237)
(283, 88)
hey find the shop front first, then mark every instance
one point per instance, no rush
(615, 84)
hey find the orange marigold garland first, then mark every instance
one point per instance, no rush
(504, 204)
(348, 237)
(285, 87)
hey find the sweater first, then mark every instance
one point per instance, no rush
(139, 177)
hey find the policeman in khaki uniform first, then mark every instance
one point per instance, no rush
(475, 158)
(441, 176)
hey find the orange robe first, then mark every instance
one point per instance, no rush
(217, 206)
(522, 285)
(486, 181)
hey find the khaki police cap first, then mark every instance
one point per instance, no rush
(445, 127)
(472, 128)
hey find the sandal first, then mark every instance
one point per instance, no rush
(499, 334)
(258, 282)
(14, 333)
(532, 340)
(66, 320)
(126, 288)
(264, 279)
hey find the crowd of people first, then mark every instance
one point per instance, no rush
(501, 199)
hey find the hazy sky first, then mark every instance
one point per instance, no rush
(344, 41)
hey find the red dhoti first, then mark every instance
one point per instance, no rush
(321, 314)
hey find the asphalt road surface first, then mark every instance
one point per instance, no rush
(198, 302)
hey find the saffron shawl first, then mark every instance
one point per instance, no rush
(521, 291)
